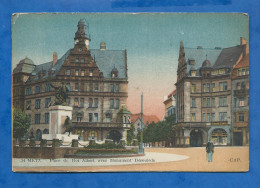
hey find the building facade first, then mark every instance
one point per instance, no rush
(147, 119)
(170, 104)
(98, 88)
(204, 94)
(240, 102)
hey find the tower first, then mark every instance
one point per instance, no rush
(81, 36)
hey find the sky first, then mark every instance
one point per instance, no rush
(151, 39)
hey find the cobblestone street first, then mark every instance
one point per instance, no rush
(224, 159)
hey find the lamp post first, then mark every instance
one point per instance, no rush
(141, 147)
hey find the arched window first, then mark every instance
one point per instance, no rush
(38, 134)
(46, 131)
(219, 137)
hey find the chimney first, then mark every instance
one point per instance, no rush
(54, 58)
(102, 46)
(246, 47)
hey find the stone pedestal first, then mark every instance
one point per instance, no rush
(58, 115)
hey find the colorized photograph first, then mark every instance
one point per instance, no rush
(130, 92)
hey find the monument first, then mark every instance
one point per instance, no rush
(60, 117)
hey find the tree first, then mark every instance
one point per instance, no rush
(130, 135)
(21, 123)
(115, 136)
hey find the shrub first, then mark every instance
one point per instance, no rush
(105, 146)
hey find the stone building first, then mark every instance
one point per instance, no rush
(204, 93)
(147, 119)
(240, 101)
(98, 88)
(170, 104)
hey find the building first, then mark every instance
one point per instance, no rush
(147, 119)
(204, 93)
(98, 88)
(170, 104)
(240, 101)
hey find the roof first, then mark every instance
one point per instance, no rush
(244, 62)
(200, 55)
(26, 65)
(228, 57)
(172, 93)
(106, 60)
(147, 119)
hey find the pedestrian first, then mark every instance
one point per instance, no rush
(210, 150)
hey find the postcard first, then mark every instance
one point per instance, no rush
(130, 92)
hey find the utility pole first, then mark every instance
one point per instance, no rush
(141, 147)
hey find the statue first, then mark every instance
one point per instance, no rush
(68, 125)
(61, 94)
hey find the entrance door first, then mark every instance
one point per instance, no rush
(196, 138)
(238, 138)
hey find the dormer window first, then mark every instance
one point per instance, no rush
(114, 72)
(90, 72)
(191, 61)
(222, 71)
(193, 73)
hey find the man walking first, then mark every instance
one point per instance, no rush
(210, 150)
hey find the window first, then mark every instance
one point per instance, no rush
(222, 86)
(82, 88)
(91, 86)
(238, 86)
(47, 102)
(117, 88)
(243, 85)
(96, 87)
(193, 102)
(111, 87)
(241, 117)
(96, 102)
(213, 87)
(204, 102)
(47, 87)
(79, 119)
(82, 60)
(37, 103)
(28, 91)
(90, 102)
(90, 72)
(68, 86)
(204, 117)
(193, 88)
(117, 103)
(222, 101)
(76, 86)
(222, 116)
(96, 117)
(68, 100)
(76, 102)
(215, 72)
(213, 117)
(37, 118)
(82, 73)
(239, 72)
(241, 102)
(208, 117)
(213, 102)
(28, 105)
(68, 72)
(81, 102)
(193, 73)
(243, 72)
(29, 117)
(221, 71)
(108, 117)
(208, 102)
(77, 60)
(193, 117)
(77, 72)
(37, 89)
(90, 117)
(111, 103)
(46, 118)
(206, 87)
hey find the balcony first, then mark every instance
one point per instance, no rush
(241, 92)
